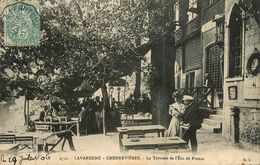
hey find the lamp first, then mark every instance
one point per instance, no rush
(219, 19)
(111, 90)
(111, 93)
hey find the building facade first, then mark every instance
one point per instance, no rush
(197, 52)
(222, 38)
(241, 71)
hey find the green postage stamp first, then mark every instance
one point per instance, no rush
(21, 23)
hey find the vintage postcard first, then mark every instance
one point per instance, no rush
(130, 82)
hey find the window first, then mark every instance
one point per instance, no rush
(177, 11)
(235, 51)
(192, 13)
(214, 65)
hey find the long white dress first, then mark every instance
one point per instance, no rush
(175, 110)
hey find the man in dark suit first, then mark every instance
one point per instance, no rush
(129, 104)
(193, 117)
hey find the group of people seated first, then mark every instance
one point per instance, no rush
(53, 113)
(89, 111)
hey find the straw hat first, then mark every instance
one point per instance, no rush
(187, 97)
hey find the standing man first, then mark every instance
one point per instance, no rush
(98, 113)
(193, 117)
(146, 104)
(129, 104)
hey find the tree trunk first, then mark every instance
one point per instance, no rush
(105, 107)
(28, 112)
(162, 85)
(24, 110)
(137, 91)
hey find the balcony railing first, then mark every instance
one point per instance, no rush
(203, 96)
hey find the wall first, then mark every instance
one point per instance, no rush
(193, 54)
(208, 29)
(248, 87)
(209, 11)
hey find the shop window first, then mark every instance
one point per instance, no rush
(235, 45)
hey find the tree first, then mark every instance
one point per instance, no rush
(83, 43)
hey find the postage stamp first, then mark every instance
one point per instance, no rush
(22, 24)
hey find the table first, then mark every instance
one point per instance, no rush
(135, 119)
(154, 143)
(146, 129)
(39, 138)
(8, 148)
(76, 123)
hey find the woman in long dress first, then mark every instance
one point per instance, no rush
(176, 110)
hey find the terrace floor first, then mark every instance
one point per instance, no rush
(97, 148)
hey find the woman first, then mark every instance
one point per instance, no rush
(176, 110)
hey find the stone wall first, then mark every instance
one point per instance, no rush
(248, 86)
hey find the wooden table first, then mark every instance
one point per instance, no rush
(146, 129)
(135, 119)
(39, 138)
(154, 143)
(8, 148)
(76, 123)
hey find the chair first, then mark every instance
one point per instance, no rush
(62, 119)
(183, 129)
(64, 135)
(25, 141)
(127, 119)
(7, 139)
(48, 118)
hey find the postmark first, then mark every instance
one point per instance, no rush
(22, 24)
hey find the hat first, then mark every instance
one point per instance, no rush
(187, 97)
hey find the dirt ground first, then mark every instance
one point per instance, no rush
(104, 149)
(213, 149)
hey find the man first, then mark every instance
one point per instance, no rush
(129, 104)
(98, 112)
(146, 104)
(193, 117)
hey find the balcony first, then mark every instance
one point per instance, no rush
(193, 26)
